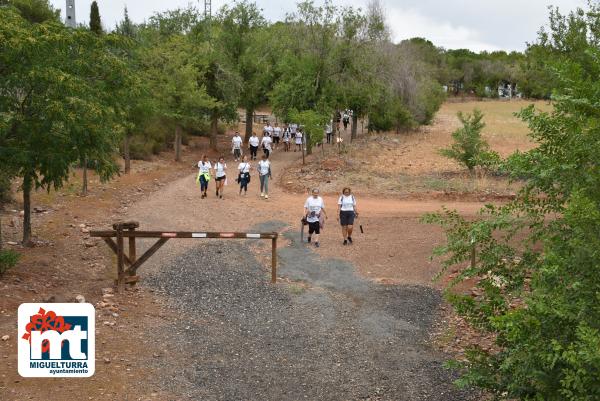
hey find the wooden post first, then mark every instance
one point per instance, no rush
(274, 261)
(473, 254)
(120, 255)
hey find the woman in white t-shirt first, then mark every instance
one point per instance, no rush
(264, 173)
(298, 140)
(244, 174)
(204, 168)
(266, 145)
(314, 213)
(347, 213)
(253, 143)
(287, 137)
(220, 176)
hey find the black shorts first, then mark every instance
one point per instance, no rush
(347, 217)
(314, 228)
(220, 178)
(275, 139)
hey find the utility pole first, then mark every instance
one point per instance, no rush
(207, 9)
(70, 21)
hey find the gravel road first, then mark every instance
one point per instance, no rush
(335, 336)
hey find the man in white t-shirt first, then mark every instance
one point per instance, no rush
(236, 146)
(314, 212)
(253, 143)
(347, 213)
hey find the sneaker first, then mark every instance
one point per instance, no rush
(350, 240)
(262, 195)
(317, 245)
(220, 196)
(345, 242)
(308, 240)
(266, 196)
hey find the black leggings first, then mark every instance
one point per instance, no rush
(244, 182)
(267, 152)
(253, 151)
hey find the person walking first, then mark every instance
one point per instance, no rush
(253, 143)
(204, 167)
(236, 146)
(329, 131)
(276, 136)
(266, 145)
(287, 137)
(298, 140)
(346, 119)
(268, 129)
(244, 175)
(315, 215)
(347, 212)
(264, 172)
(220, 176)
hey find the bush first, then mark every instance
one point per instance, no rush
(469, 148)
(5, 188)
(8, 259)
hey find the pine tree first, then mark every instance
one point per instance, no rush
(95, 23)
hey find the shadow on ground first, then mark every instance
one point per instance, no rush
(335, 337)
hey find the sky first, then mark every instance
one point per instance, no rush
(473, 24)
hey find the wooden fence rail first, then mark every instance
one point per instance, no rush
(129, 230)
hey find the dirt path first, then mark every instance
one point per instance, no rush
(335, 335)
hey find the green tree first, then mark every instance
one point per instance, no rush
(54, 109)
(468, 144)
(242, 40)
(537, 259)
(312, 124)
(35, 11)
(172, 67)
(95, 23)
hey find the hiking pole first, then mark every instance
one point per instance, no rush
(361, 229)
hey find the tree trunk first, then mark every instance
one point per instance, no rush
(214, 130)
(0, 233)
(354, 126)
(27, 186)
(249, 123)
(84, 185)
(127, 154)
(308, 145)
(177, 144)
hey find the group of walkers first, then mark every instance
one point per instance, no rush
(314, 207)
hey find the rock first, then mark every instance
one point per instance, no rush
(5, 337)
(107, 290)
(89, 244)
(106, 360)
(108, 295)
(85, 230)
(82, 226)
(80, 298)
(12, 243)
(22, 213)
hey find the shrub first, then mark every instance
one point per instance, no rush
(469, 148)
(8, 259)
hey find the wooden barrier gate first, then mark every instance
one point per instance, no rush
(128, 230)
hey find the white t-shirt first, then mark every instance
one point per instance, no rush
(287, 135)
(293, 128)
(277, 132)
(244, 167)
(254, 141)
(268, 129)
(204, 167)
(220, 169)
(347, 203)
(263, 167)
(266, 142)
(236, 142)
(314, 207)
(298, 138)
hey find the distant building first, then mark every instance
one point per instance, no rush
(70, 20)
